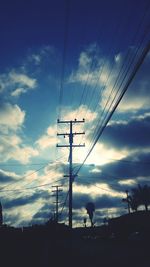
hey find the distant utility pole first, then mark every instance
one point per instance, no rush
(57, 191)
(127, 193)
(1, 215)
(71, 145)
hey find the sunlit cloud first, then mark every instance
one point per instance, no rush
(128, 182)
(22, 79)
(49, 139)
(11, 117)
(79, 112)
(16, 82)
(17, 92)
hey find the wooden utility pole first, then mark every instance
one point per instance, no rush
(71, 145)
(57, 191)
(127, 193)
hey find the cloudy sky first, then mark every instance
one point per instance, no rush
(71, 60)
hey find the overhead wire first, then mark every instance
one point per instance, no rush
(31, 187)
(138, 29)
(132, 75)
(123, 65)
(66, 30)
(111, 69)
(30, 174)
(120, 71)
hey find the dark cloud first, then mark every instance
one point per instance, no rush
(105, 201)
(131, 135)
(5, 178)
(80, 200)
(131, 167)
(44, 213)
(24, 200)
(134, 167)
(139, 88)
(10, 219)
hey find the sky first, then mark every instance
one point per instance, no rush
(71, 60)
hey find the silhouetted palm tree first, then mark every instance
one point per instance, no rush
(133, 202)
(90, 207)
(141, 195)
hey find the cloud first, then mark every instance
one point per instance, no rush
(11, 117)
(28, 198)
(49, 139)
(40, 56)
(105, 76)
(133, 134)
(91, 69)
(17, 92)
(16, 82)
(11, 143)
(71, 114)
(12, 148)
(6, 177)
(43, 214)
(22, 210)
(22, 79)
(138, 96)
(36, 58)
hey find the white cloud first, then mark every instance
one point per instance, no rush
(128, 182)
(96, 190)
(46, 141)
(16, 82)
(79, 114)
(11, 147)
(17, 92)
(22, 79)
(100, 155)
(84, 60)
(11, 143)
(106, 77)
(49, 139)
(91, 68)
(11, 117)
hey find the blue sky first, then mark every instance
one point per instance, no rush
(67, 60)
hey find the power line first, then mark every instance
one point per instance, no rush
(22, 164)
(131, 77)
(32, 187)
(64, 55)
(30, 174)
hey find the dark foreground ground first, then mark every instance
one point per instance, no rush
(43, 249)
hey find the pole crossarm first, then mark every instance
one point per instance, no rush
(71, 134)
(69, 145)
(74, 121)
(64, 134)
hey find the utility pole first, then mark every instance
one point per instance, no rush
(57, 191)
(71, 145)
(1, 215)
(127, 199)
(127, 193)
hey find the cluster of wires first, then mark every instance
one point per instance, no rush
(118, 95)
(92, 89)
(128, 68)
